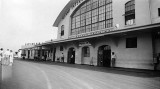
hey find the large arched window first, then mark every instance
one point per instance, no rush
(130, 12)
(92, 15)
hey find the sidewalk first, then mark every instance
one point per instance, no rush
(122, 71)
(0, 76)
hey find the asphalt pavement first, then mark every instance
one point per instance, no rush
(25, 74)
(116, 70)
(0, 76)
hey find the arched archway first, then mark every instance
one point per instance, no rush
(54, 54)
(104, 56)
(71, 56)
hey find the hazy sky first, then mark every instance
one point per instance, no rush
(28, 21)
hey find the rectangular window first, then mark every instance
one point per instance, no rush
(130, 19)
(94, 4)
(108, 1)
(61, 48)
(62, 30)
(102, 17)
(88, 21)
(88, 7)
(83, 23)
(73, 25)
(94, 12)
(88, 14)
(130, 12)
(109, 15)
(101, 9)
(83, 10)
(94, 26)
(101, 2)
(102, 25)
(131, 42)
(73, 32)
(77, 24)
(77, 18)
(83, 16)
(86, 52)
(95, 19)
(78, 31)
(73, 20)
(83, 29)
(88, 28)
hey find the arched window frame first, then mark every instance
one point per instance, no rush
(62, 30)
(130, 12)
(90, 16)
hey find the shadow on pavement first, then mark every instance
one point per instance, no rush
(123, 71)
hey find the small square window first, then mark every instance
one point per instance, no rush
(131, 42)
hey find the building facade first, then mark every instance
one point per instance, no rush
(90, 30)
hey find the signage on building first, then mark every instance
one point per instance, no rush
(93, 33)
(84, 43)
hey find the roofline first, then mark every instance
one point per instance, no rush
(137, 28)
(63, 12)
(98, 35)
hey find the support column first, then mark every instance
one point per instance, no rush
(41, 53)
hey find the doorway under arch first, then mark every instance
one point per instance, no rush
(104, 56)
(85, 55)
(71, 56)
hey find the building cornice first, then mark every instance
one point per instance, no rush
(64, 11)
(111, 32)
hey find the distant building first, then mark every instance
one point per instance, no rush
(89, 30)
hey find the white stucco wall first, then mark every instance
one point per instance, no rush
(66, 23)
(142, 13)
(140, 57)
(155, 4)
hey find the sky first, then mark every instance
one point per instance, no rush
(28, 21)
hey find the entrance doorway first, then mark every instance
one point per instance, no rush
(71, 56)
(54, 54)
(28, 54)
(104, 56)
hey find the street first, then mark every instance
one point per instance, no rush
(38, 75)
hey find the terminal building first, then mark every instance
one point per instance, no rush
(90, 30)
